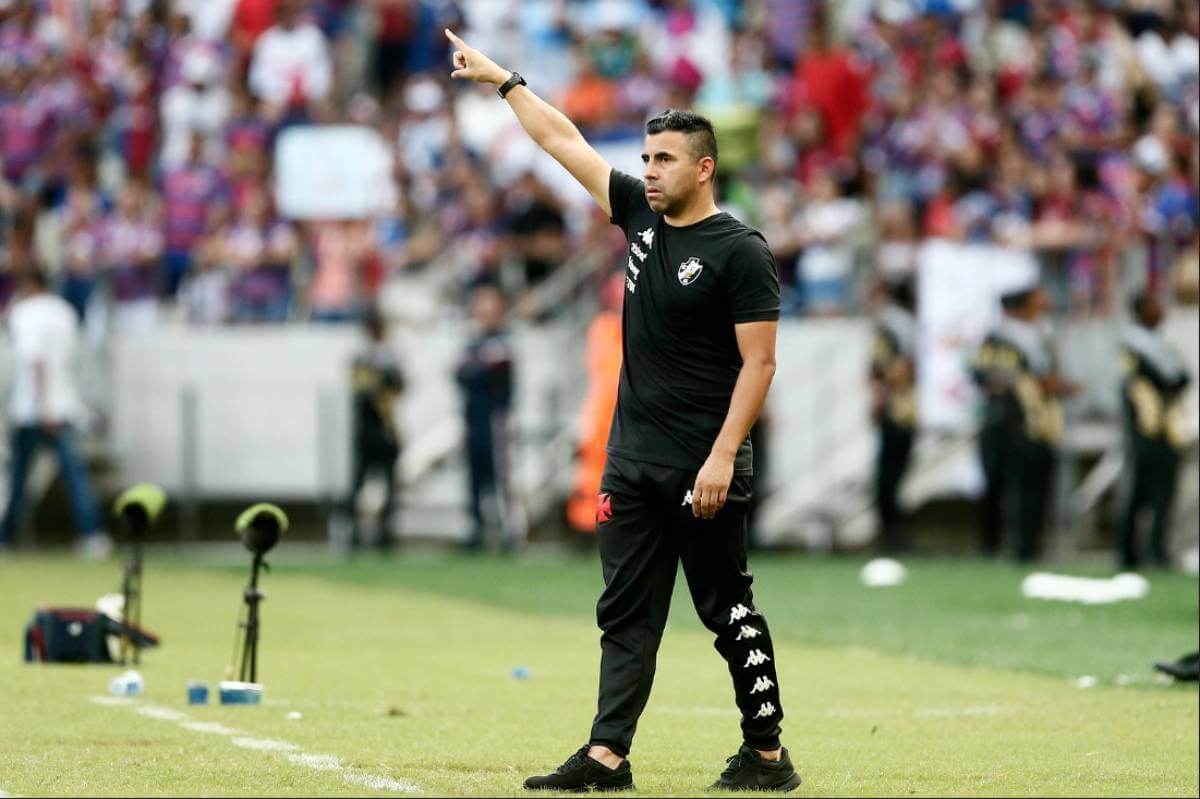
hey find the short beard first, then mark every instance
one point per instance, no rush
(667, 206)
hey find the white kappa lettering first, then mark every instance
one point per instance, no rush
(762, 684)
(765, 710)
(756, 658)
(747, 632)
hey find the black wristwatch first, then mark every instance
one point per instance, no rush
(514, 80)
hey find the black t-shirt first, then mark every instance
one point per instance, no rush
(685, 289)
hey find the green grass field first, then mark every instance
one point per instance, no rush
(402, 672)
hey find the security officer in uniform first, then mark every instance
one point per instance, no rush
(1022, 423)
(1151, 394)
(485, 376)
(893, 405)
(377, 383)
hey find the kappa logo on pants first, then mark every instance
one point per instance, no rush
(762, 684)
(740, 612)
(757, 658)
(747, 632)
(765, 710)
(603, 507)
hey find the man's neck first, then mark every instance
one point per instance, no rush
(694, 213)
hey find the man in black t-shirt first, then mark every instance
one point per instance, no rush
(699, 320)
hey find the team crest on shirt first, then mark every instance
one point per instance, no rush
(689, 270)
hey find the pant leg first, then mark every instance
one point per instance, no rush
(482, 480)
(357, 480)
(713, 552)
(24, 442)
(1135, 501)
(639, 559)
(1035, 472)
(1162, 496)
(74, 471)
(388, 534)
(895, 447)
(993, 456)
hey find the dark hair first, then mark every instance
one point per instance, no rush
(1139, 303)
(901, 290)
(33, 276)
(701, 138)
(1016, 300)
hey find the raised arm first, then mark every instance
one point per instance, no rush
(544, 123)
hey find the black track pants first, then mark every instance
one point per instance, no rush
(645, 530)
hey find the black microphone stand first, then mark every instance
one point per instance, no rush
(137, 523)
(248, 671)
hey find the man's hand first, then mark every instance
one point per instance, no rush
(473, 65)
(712, 486)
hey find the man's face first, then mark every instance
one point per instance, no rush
(671, 171)
(1152, 313)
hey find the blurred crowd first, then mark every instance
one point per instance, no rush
(137, 141)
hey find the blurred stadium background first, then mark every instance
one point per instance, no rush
(222, 188)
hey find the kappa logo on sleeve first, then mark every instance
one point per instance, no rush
(689, 270)
(647, 236)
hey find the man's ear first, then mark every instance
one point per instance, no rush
(708, 169)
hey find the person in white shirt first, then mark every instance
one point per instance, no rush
(45, 406)
(291, 65)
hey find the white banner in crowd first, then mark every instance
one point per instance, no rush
(333, 172)
(959, 289)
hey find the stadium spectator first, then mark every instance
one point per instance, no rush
(45, 407)
(291, 70)
(191, 192)
(130, 253)
(259, 251)
(340, 248)
(828, 223)
(198, 105)
(537, 227)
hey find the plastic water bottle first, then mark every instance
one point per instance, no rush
(128, 683)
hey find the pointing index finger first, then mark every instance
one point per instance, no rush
(457, 41)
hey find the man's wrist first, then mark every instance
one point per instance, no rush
(724, 453)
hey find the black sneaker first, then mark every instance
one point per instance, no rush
(582, 773)
(1186, 668)
(750, 771)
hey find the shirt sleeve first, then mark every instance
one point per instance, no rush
(753, 281)
(625, 192)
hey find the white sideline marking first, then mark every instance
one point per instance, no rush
(265, 744)
(4, 795)
(161, 713)
(208, 726)
(331, 763)
(318, 762)
(111, 701)
(380, 783)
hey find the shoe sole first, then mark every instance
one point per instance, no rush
(790, 784)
